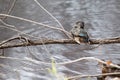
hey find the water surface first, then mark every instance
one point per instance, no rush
(101, 19)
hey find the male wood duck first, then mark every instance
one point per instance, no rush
(79, 34)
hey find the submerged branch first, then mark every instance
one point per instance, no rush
(9, 44)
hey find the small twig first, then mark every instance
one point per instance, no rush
(52, 17)
(61, 63)
(38, 23)
(89, 58)
(73, 61)
(10, 9)
(11, 39)
(12, 27)
(96, 75)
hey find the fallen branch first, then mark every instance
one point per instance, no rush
(46, 41)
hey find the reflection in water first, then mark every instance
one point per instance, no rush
(102, 21)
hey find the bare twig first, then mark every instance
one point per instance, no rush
(10, 9)
(12, 27)
(31, 21)
(51, 16)
(70, 62)
(11, 39)
(60, 63)
(73, 61)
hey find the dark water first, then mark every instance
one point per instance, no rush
(101, 18)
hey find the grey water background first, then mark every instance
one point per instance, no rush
(102, 20)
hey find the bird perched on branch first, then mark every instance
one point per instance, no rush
(79, 34)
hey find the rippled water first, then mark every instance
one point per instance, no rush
(101, 18)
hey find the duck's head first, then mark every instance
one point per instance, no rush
(80, 24)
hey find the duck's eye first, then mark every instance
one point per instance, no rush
(75, 26)
(82, 27)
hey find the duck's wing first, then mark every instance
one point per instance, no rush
(83, 33)
(75, 32)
